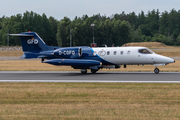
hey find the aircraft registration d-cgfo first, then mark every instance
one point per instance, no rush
(89, 58)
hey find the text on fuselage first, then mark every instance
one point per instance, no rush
(67, 52)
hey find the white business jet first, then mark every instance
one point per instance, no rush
(89, 58)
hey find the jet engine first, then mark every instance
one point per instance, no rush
(70, 53)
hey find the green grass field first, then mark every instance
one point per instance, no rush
(91, 101)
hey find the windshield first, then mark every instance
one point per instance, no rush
(145, 51)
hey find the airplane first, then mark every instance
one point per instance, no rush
(93, 58)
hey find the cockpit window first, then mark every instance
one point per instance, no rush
(145, 51)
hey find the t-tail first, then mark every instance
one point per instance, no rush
(33, 46)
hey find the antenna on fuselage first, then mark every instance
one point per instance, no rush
(104, 45)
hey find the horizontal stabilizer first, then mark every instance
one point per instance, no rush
(21, 35)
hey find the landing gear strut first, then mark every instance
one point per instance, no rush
(42, 60)
(156, 70)
(83, 71)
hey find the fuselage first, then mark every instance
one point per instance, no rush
(108, 56)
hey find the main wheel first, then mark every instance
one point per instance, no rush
(83, 71)
(93, 71)
(156, 70)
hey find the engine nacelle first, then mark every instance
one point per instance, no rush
(71, 53)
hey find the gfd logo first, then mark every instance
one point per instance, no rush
(32, 40)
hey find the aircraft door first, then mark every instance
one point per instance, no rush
(152, 59)
(145, 59)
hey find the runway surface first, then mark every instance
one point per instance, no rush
(131, 77)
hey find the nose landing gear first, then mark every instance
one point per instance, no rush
(156, 70)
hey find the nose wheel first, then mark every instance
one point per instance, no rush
(156, 70)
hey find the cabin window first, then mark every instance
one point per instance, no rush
(121, 52)
(128, 52)
(114, 52)
(108, 52)
(145, 51)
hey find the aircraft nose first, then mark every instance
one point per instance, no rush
(163, 59)
(171, 60)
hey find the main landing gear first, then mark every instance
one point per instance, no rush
(156, 70)
(84, 71)
(93, 71)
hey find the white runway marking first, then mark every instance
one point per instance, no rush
(89, 81)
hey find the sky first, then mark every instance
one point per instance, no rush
(71, 8)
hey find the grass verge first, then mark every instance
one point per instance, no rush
(32, 101)
(11, 53)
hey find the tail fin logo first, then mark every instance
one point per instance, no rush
(32, 41)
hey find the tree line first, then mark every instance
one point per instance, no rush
(117, 29)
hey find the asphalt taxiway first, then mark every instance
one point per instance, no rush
(76, 76)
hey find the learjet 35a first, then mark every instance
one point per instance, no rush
(87, 57)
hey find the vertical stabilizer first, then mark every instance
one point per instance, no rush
(31, 42)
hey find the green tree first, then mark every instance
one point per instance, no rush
(178, 40)
(153, 21)
(164, 23)
(141, 20)
(124, 33)
(46, 31)
(132, 18)
(136, 35)
(63, 32)
(53, 24)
